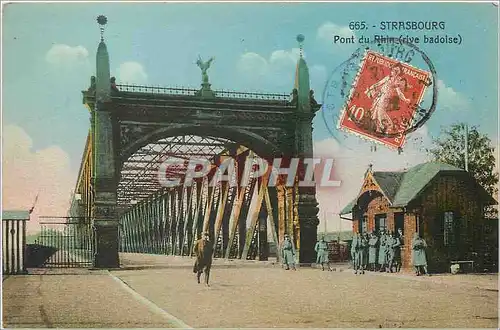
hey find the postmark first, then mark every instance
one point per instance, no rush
(381, 93)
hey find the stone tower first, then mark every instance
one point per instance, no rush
(307, 204)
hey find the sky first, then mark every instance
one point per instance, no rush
(49, 55)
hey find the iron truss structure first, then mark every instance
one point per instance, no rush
(239, 218)
(140, 173)
(159, 220)
(121, 191)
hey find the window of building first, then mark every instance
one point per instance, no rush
(380, 222)
(449, 229)
(399, 222)
(363, 224)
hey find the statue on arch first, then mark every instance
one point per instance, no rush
(204, 66)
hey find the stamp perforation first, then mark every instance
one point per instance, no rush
(354, 85)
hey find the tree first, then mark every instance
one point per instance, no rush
(449, 148)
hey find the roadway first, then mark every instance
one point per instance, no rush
(161, 291)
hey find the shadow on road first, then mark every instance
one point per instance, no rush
(37, 255)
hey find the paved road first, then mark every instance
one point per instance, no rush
(272, 297)
(81, 300)
(248, 295)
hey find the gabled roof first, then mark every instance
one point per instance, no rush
(404, 186)
(389, 182)
(416, 178)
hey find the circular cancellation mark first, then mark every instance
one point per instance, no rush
(379, 92)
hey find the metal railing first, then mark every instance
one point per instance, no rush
(252, 96)
(227, 94)
(63, 242)
(157, 90)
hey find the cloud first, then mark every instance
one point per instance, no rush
(252, 65)
(276, 72)
(449, 99)
(132, 72)
(285, 57)
(328, 30)
(27, 172)
(66, 55)
(351, 159)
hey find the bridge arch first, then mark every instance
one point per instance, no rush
(255, 142)
(126, 118)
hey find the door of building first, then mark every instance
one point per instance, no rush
(380, 222)
(399, 222)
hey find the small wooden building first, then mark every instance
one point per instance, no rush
(14, 241)
(443, 203)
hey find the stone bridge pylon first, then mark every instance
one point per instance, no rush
(135, 129)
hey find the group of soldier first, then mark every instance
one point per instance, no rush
(373, 252)
(288, 253)
(379, 252)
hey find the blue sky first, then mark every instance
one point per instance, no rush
(49, 56)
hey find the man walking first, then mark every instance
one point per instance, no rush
(203, 250)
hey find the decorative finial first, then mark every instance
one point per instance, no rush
(300, 40)
(102, 20)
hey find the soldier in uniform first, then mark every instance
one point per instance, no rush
(354, 246)
(395, 261)
(288, 253)
(321, 249)
(372, 251)
(399, 250)
(389, 243)
(382, 251)
(419, 259)
(203, 250)
(362, 253)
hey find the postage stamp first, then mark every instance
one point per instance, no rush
(381, 93)
(383, 99)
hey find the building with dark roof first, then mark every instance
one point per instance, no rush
(441, 202)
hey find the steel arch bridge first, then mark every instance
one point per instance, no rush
(135, 129)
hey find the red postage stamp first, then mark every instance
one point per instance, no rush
(383, 99)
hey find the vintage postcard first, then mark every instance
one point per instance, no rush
(250, 164)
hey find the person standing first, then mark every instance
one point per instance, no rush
(354, 246)
(396, 258)
(389, 251)
(362, 252)
(321, 249)
(372, 251)
(382, 251)
(419, 259)
(288, 253)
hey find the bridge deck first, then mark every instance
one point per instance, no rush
(260, 295)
